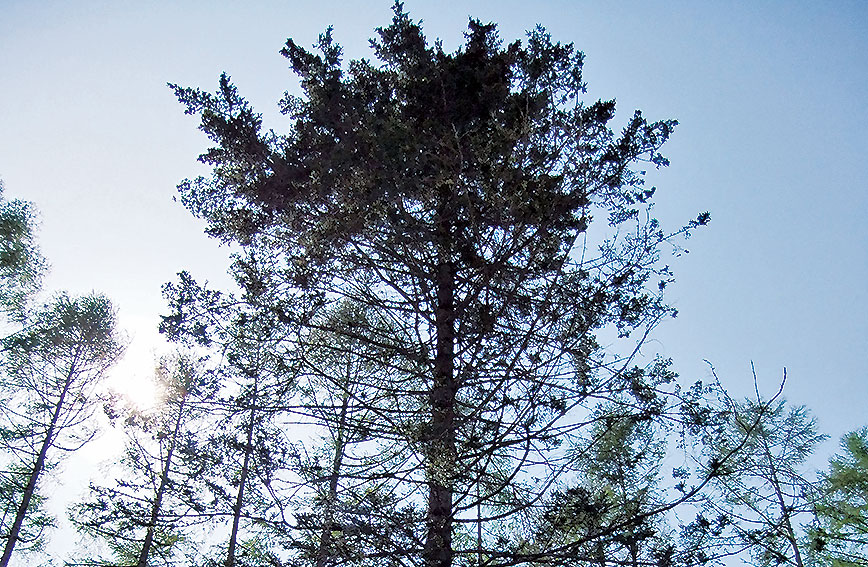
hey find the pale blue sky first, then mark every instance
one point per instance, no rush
(771, 97)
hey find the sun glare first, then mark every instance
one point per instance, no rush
(136, 386)
(141, 392)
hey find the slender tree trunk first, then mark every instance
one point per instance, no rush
(325, 539)
(438, 544)
(785, 512)
(245, 471)
(478, 523)
(38, 467)
(161, 490)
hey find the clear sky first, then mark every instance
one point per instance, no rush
(770, 96)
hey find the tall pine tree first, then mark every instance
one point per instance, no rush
(494, 224)
(52, 358)
(247, 337)
(764, 490)
(51, 369)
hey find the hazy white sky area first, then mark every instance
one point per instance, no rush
(770, 96)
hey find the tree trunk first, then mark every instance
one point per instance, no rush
(30, 489)
(328, 518)
(164, 481)
(786, 513)
(438, 544)
(245, 471)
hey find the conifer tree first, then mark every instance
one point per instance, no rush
(21, 267)
(255, 375)
(344, 402)
(21, 264)
(143, 517)
(493, 222)
(50, 372)
(765, 495)
(619, 486)
(52, 359)
(840, 536)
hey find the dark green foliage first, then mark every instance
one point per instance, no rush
(21, 265)
(350, 399)
(840, 537)
(452, 200)
(612, 514)
(255, 373)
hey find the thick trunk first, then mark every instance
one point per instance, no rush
(38, 467)
(148, 543)
(239, 497)
(438, 544)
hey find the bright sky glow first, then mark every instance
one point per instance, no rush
(141, 392)
(770, 97)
